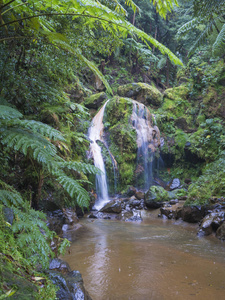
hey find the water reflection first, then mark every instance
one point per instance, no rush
(151, 260)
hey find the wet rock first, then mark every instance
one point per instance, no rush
(131, 191)
(155, 197)
(220, 233)
(70, 216)
(211, 222)
(95, 100)
(167, 212)
(70, 286)
(92, 216)
(206, 226)
(130, 216)
(175, 184)
(192, 214)
(70, 283)
(8, 214)
(139, 195)
(59, 265)
(55, 220)
(134, 203)
(173, 201)
(113, 206)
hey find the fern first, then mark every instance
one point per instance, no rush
(219, 45)
(189, 26)
(80, 167)
(7, 113)
(202, 37)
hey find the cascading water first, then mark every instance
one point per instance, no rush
(95, 134)
(148, 140)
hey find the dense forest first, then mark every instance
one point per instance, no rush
(59, 62)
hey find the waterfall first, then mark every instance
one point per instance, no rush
(148, 140)
(95, 134)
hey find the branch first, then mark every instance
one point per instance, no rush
(7, 4)
(59, 14)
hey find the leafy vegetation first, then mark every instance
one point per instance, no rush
(58, 56)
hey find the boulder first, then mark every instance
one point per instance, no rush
(220, 233)
(69, 283)
(113, 206)
(168, 212)
(192, 214)
(211, 222)
(131, 191)
(155, 197)
(8, 214)
(206, 226)
(70, 216)
(142, 92)
(95, 100)
(130, 216)
(174, 184)
(140, 195)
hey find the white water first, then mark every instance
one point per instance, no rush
(148, 140)
(96, 133)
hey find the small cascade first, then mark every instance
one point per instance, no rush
(95, 134)
(148, 141)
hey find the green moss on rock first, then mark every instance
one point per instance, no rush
(121, 138)
(142, 92)
(155, 196)
(95, 100)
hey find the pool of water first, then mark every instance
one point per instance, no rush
(154, 259)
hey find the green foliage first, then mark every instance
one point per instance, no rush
(157, 194)
(33, 139)
(208, 140)
(208, 18)
(211, 184)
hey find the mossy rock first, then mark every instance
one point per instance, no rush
(142, 92)
(155, 197)
(121, 139)
(180, 92)
(95, 100)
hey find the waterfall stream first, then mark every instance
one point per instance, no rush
(148, 140)
(96, 134)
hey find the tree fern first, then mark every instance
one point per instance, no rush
(33, 139)
(219, 45)
(7, 112)
(79, 167)
(210, 14)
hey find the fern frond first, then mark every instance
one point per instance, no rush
(10, 199)
(162, 62)
(219, 45)
(74, 189)
(202, 37)
(7, 113)
(79, 167)
(62, 41)
(132, 5)
(192, 24)
(38, 127)
(23, 141)
(208, 7)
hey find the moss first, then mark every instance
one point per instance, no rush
(121, 138)
(95, 100)
(142, 92)
(157, 194)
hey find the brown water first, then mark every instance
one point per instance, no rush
(155, 259)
